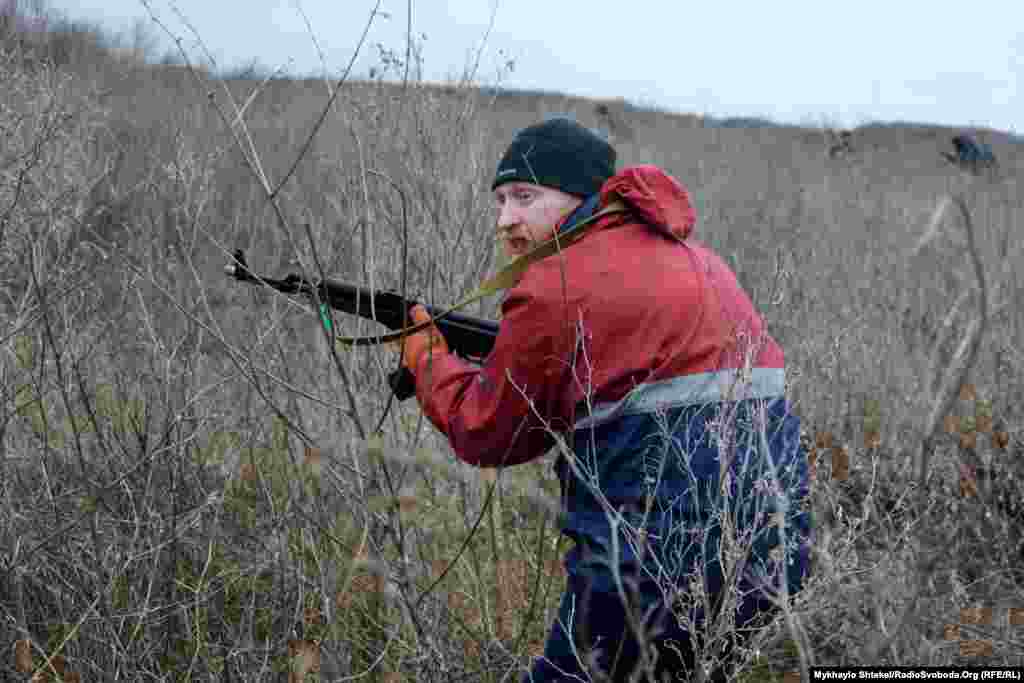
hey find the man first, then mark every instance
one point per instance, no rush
(626, 345)
(973, 157)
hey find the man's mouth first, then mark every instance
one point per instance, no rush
(518, 244)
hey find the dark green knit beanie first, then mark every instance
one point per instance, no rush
(558, 153)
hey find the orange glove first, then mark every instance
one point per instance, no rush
(428, 341)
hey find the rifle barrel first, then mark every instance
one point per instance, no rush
(469, 336)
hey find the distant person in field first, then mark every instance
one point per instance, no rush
(971, 156)
(841, 144)
(649, 325)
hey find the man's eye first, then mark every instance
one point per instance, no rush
(523, 197)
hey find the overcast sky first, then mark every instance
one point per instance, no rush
(799, 61)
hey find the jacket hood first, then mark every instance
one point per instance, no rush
(657, 197)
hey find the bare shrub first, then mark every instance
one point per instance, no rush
(196, 482)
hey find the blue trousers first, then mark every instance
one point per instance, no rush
(601, 636)
(624, 456)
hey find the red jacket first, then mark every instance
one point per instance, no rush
(653, 302)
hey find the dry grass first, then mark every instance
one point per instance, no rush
(194, 480)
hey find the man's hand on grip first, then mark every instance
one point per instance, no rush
(429, 341)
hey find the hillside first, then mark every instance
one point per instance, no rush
(196, 480)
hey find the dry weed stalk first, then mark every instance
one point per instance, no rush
(976, 616)
(244, 144)
(965, 355)
(305, 659)
(314, 461)
(512, 580)
(952, 384)
(976, 648)
(23, 656)
(251, 160)
(840, 463)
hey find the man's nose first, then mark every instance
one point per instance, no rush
(507, 218)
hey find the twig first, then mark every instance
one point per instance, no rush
(254, 166)
(327, 108)
(943, 400)
(316, 44)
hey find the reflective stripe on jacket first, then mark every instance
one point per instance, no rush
(657, 463)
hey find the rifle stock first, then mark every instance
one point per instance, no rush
(469, 337)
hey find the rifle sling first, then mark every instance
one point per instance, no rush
(505, 278)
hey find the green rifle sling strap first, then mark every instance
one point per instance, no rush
(505, 278)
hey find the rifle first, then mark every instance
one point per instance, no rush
(469, 337)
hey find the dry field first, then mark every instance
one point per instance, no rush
(194, 484)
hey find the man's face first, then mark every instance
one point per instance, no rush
(528, 214)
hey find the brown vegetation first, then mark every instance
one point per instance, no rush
(196, 481)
